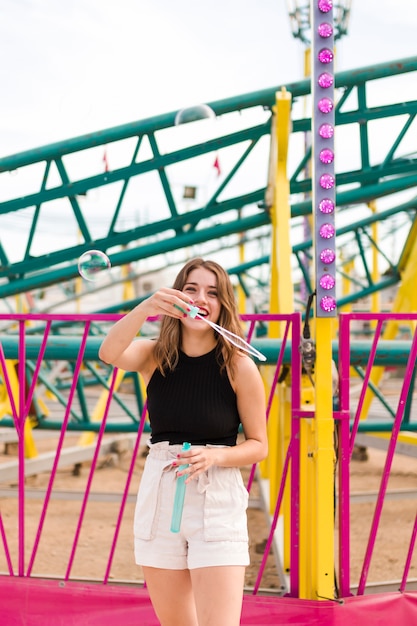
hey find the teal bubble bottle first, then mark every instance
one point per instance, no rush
(179, 496)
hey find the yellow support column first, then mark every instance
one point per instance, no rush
(376, 296)
(6, 408)
(128, 287)
(317, 462)
(307, 495)
(31, 450)
(281, 295)
(324, 459)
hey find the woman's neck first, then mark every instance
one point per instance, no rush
(198, 345)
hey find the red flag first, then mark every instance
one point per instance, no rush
(216, 165)
(105, 161)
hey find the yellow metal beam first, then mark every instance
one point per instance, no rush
(277, 197)
(281, 297)
(6, 407)
(376, 296)
(282, 294)
(324, 460)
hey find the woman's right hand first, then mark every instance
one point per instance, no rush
(119, 348)
(167, 301)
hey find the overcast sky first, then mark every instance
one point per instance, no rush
(70, 67)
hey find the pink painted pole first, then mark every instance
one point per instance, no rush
(409, 556)
(37, 367)
(21, 446)
(343, 427)
(59, 446)
(365, 383)
(295, 457)
(126, 492)
(91, 473)
(271, 394)
(6, 547)
(274, 519)
(388, 462)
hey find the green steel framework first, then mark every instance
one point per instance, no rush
(379, 173)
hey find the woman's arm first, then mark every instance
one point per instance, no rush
(250, 393)
(119, 347)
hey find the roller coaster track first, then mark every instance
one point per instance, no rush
(134, 210)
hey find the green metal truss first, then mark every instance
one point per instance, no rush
(51, 180)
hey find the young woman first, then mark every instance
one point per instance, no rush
(200, 388)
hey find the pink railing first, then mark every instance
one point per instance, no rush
(18, 557)
(25, 554)
(348, 420)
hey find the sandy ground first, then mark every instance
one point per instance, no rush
(96, 534)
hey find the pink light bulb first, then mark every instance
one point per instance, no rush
(326, 131)
(326, 155)
(325, 30)
(326, 231)
(326, 206)
(327, 256)
(325, 5)
(327, 281)
(326, 181)
(325, 56)
(325, 80)
(328, 304)
(325, 105)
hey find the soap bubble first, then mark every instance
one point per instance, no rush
(92, 263)
(193, 114)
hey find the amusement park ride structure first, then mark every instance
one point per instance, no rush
(288, 183)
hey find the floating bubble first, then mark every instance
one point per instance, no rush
(92, 263)
(194, 113)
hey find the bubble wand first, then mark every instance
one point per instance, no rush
(227, 334)
(179, 496)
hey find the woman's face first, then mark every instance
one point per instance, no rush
(201, 286)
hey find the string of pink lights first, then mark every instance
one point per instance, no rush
(323, 124)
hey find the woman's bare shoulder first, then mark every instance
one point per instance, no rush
(244, 370)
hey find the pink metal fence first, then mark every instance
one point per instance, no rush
(348, 421)
(26, 554)
(20, 561)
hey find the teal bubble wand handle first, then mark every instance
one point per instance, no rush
(179, 496)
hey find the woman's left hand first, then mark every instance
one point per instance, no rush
(198, 460)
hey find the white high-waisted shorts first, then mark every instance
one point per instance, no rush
(214, 522)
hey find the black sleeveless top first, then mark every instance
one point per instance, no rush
(194, 402)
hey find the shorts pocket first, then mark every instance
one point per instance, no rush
(147, 503)
(226, 501)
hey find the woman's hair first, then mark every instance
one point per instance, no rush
(169, 341)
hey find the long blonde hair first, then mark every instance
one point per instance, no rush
(169, 341)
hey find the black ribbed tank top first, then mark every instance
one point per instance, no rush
(194, 402)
